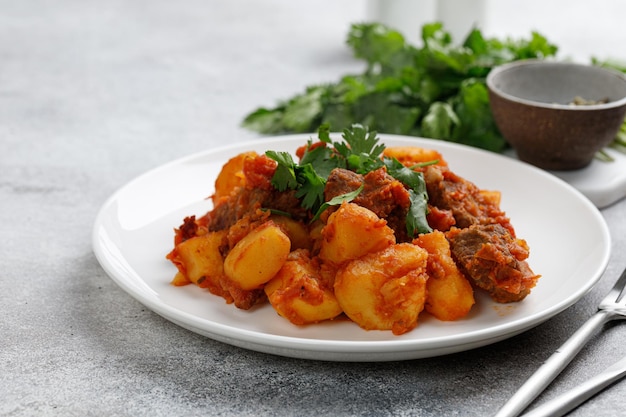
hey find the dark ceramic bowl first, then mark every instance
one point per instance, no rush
(531, 102)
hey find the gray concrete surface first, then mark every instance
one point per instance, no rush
(94, 93)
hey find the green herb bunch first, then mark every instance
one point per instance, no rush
(436, 91)
(361, 152)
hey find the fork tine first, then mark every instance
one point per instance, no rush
(617, 292)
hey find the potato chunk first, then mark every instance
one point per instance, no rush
(385, 290)
(353, 231)
(297, 231)
(299, 292)
(199, 260)
(231, 176)
(257, 257)
(450, 294)
(412, 155)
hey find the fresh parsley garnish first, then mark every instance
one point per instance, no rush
(285, 174)
(338, 200)
(361, 152)
(361, 149)
(311, 190)
(416, 218)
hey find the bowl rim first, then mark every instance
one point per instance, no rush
(557, 106)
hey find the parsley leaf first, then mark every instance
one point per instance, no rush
(311, 189)
(361, 149)
(418, 196)
(416, 221)
(322, 159)
(285, 175)
(337, 200)
(360, 141)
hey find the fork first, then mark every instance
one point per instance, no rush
(612, 307)
(566, 402)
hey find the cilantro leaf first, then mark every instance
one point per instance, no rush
(476, 126)
(322, 159)
(416, 221)
(303, 178)
(361, 149)
(418, 196)
(285, 175)
(383, 49)
(265, 120)
(362, 141)
(311, 189)
(408, 177)
(323, 133)
(337, 200)
(440, 120)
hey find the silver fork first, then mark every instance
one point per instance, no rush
(612, 307)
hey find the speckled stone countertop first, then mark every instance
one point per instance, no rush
(93, 94)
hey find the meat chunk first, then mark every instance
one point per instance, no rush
(493, 260)
(247, 203)
(187, 230)
(257, 193)
(341, 181)
(243, 299)
(467, 203)
(382, 194)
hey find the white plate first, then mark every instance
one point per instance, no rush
(569, 241)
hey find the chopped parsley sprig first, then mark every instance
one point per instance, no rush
(416, 217)
(360, 152)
